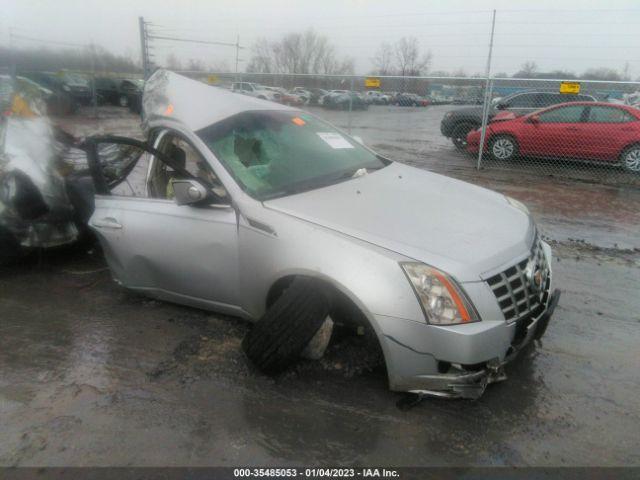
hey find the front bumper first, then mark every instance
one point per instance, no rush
(471, 384)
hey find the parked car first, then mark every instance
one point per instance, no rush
(131, 94)
(118, 91)
(74, 84)
(376, 97)
(312, 96)
(60, 101)
(108, 90)
(285, 97)
(410, 100)
(266, 212)
(343, 100)
(255, 90)
(456, 124)
(595, 131)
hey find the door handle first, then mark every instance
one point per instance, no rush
(107, 222)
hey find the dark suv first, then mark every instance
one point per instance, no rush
(456, 124)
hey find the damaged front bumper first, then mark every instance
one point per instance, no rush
(472, 384)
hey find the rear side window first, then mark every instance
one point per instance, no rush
(548, 99)
(526, 100)
(570, 114)
(609, 115)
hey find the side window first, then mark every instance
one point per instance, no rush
(543, 100)
(116, 159)
(524, 100)
(570, 114)
(160, 182)
(609, 115)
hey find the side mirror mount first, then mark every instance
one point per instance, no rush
(534, 119)
(501, 106)
(189, 192)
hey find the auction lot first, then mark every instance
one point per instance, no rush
(95, 375)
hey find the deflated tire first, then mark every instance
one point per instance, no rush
(276, 341)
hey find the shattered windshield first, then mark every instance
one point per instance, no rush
(273, 154)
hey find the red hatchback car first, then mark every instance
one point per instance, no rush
(592, 131)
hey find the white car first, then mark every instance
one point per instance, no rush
(377, 98)
(255, 90)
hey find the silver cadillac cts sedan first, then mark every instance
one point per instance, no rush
(232, 199)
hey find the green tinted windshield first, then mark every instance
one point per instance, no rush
(275, 153)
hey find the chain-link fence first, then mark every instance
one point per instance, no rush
(503, 126)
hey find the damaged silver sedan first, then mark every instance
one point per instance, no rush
(46, 194)
(265, 212)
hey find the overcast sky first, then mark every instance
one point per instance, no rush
(577, 35)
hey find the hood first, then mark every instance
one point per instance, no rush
(171, 97)
(462, 229)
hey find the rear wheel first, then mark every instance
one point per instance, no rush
(276, 341)
(459, 136)
(630, 159)
(503, 147)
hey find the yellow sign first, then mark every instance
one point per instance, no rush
(569, 87)
(212, 79)
(372, 82)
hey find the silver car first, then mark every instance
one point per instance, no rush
(233, 200)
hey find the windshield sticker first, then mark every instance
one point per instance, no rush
(298, 121)
(334, 140)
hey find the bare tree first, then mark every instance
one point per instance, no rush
(626, 75)
(527, 70)
(173, 62)
(195, 65)
(602, 73)
(383, 59)
(305, 52)
(409, 61)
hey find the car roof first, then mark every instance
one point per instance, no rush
(634, 111)
(170, 97)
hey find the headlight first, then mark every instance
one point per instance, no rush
(519, 205)
(443, 301)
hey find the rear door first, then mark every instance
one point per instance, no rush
(609, 129)
(557, 133)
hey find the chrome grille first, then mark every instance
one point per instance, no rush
(516, 290)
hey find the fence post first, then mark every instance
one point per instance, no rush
(94, 93)
(487, 93)
(143, 47)
(350, 103)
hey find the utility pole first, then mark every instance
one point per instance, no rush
(237, 54)
(487, 93)
(144, 48)
(94, 93)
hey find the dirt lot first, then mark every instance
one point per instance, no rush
(91, 374)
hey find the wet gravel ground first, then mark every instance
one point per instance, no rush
(91, 374)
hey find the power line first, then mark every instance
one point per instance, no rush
(40, 40)
(188, 40)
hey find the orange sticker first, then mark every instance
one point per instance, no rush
(298, 121)
(169, 109)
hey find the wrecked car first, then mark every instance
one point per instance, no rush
(266, 212)
(46, 192)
